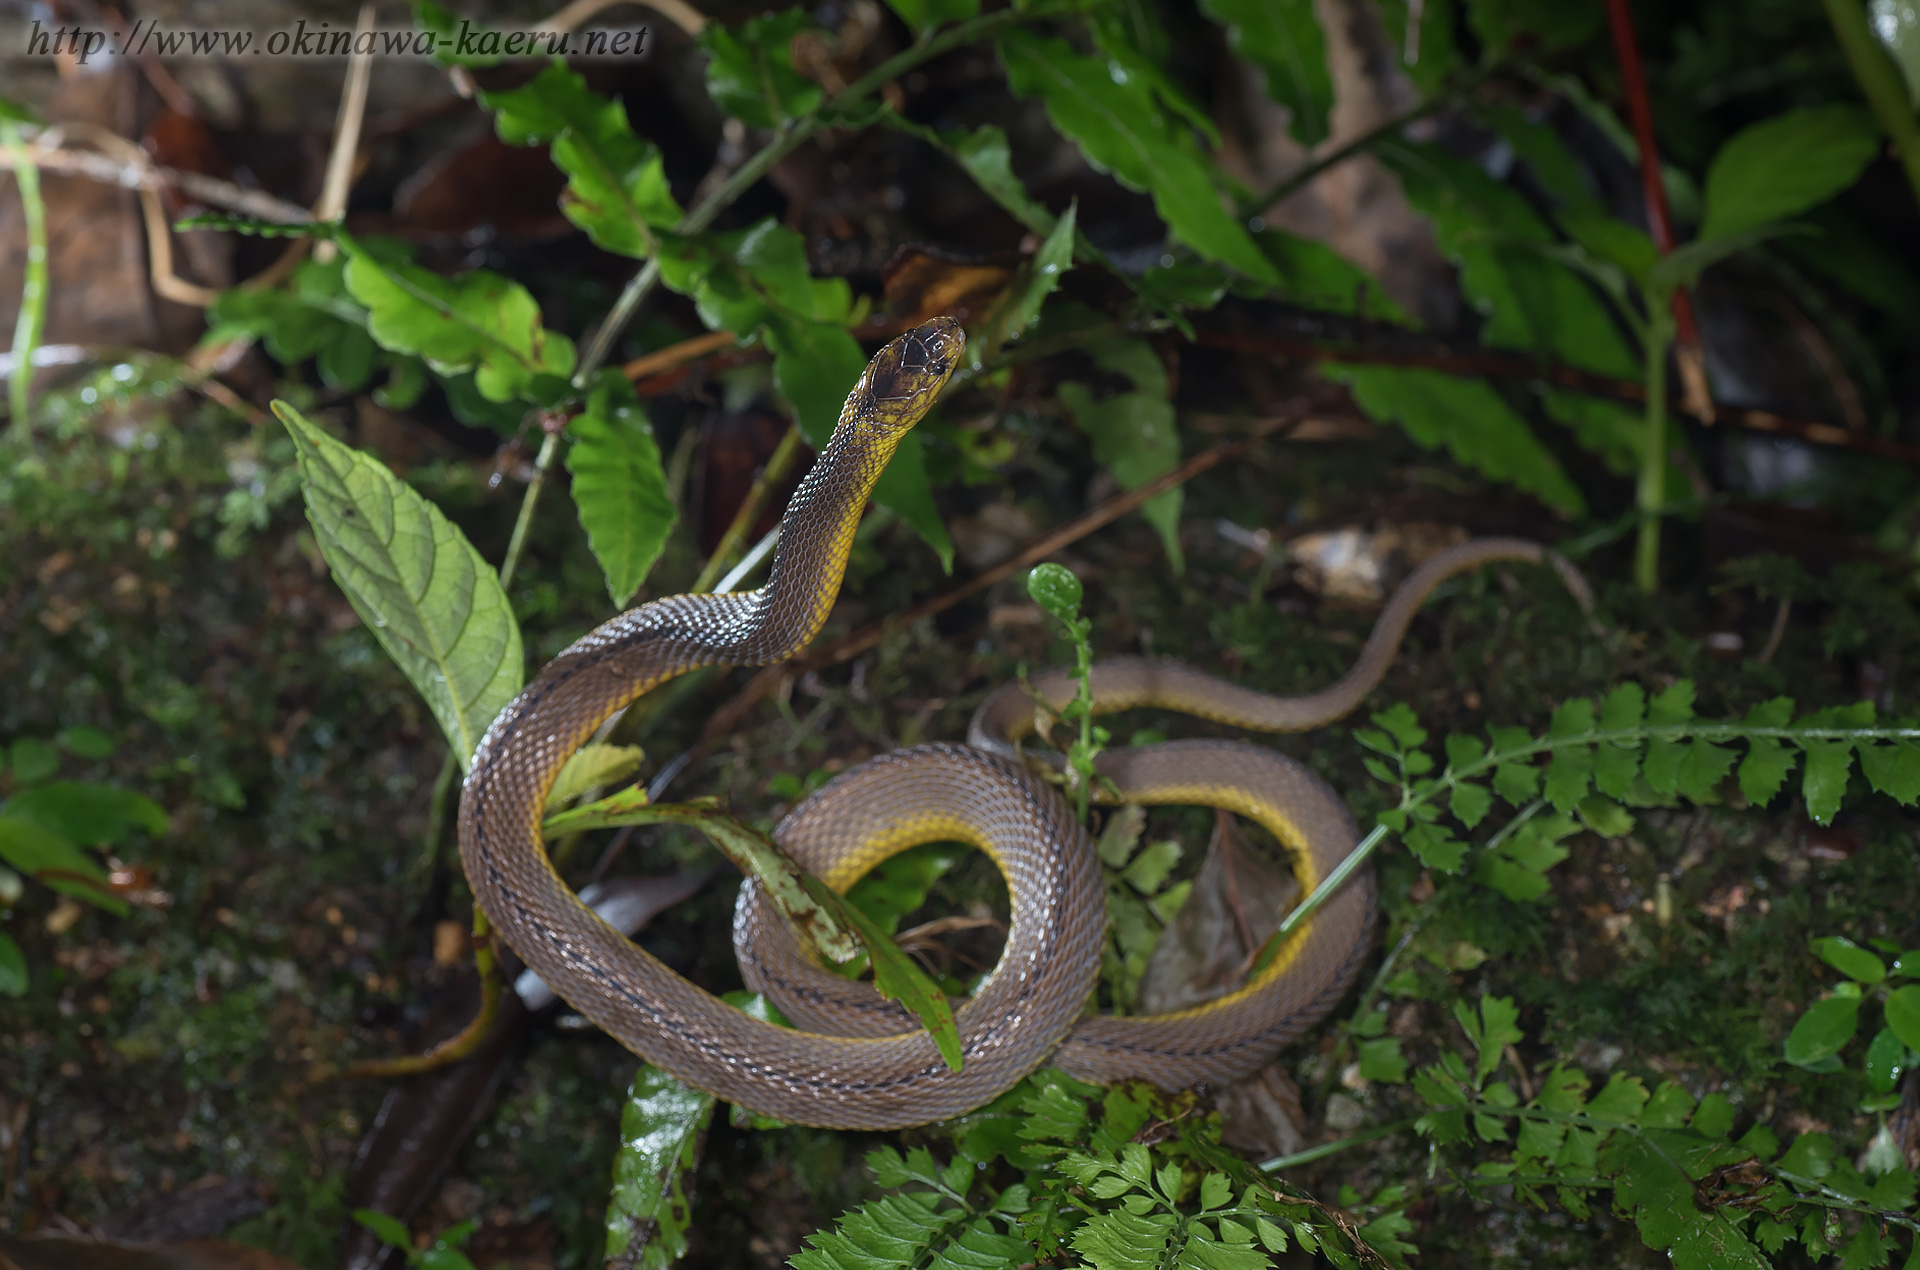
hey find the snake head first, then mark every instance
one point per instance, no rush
(904, 377)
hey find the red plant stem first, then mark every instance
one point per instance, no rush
(1640, 108)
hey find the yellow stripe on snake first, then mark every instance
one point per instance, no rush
(859, 1062)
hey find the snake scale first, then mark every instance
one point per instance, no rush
(857, 1061)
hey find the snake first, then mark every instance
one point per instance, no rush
(853, 1060)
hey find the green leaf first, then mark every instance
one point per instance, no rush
(619, 485)
(1134, 434)
(449, 49)
(924, 15)
(479, 321)
(1683, 266)
(751, 75)
(1765, 769)
(1055, 589)
(85, 742)
(1499, 1029)
(1669, 1107)
(1380, 1059)
(1605, 817)
(616, 186)
(815, 366)
(422, 589)
(985, 156)
(1121, 1240)
(1568, 776)
(1850, 959)
(1786, 164)
(896, 976)
(1120, 128)
(33, 760)
(390, 1230)
(1283, 38)
(13, 968)
(1824, 1029)
(1467, 417)
(1620, 1102)
(1032, 283)
(1703, 768)
(1903, 1015)
(52, 860)
(1886, 1059)
(1403, 725)
(900, 884)
(1893, 769)
(591, 767)
(661, 1129)
(1714, 1116)
(87, 813)
(1828, 765)
(1623, 708)
(1469, 803)
(1672, 706)
(1435, 847)
(1148, 870)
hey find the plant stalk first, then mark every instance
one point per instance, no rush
(33, 293)
(1652, 492)
(1880, 83)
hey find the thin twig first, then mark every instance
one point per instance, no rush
(346, 133)
(138, 173)
(1779, 631)
(675, 355)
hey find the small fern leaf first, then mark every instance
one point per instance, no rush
(981, 1247)
(1121, 1240)
(1894, 770)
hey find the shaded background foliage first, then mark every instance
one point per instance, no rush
(1460, 311)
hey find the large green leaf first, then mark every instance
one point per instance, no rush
(425, 593)
(1823, 1030)
(1121, 129)
(616, 186)
(86, 812)
(1035, 280)
(756, 279)
(649, 1210)
(1784, 165)
(1470, 420)
(1134, 433)
(751, 75)
(52, 860)
(479, 321)
(906, 489)
(619, 486)
(1283, 38)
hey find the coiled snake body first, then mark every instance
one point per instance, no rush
(861, 1062)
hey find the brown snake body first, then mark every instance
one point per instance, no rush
(862, 1062)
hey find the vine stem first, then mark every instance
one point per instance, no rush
(1338, 1145)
